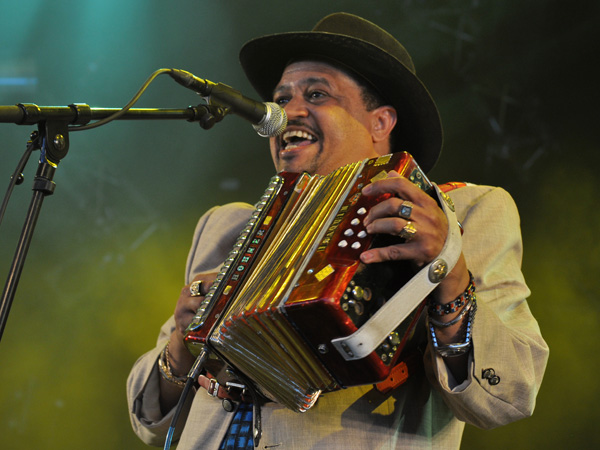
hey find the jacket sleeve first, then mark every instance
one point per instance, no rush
(214, 237)
(507, 342)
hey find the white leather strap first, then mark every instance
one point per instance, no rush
(373, 332)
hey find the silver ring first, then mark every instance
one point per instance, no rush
(405, 209)
(195, 289)
(409, 231)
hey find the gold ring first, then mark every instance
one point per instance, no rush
(195, 290)
(409, 231)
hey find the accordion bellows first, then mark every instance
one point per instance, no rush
(294, 281)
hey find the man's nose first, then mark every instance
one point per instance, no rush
(296, 107)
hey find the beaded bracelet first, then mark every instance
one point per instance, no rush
(165, 368)
(438, 324)
(456, 304)
(460, 348)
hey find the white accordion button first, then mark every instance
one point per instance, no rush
(362, 234)
(342, 244)
(348, 232)
(362, 211)
(356, 245)
(355, 222)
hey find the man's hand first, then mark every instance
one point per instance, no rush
(384, 218)
(180, 359)
(425, 244)
(185, 310)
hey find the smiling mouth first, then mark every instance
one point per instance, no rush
(296, 138)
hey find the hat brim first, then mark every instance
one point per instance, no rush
(419, 129)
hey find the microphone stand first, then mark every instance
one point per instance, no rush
(52, 139)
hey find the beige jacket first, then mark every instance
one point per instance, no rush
(425, 412)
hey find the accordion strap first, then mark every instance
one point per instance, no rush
(373, 332)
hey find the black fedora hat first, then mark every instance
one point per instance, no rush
(373, 54)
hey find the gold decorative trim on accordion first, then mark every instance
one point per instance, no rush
(294, 282)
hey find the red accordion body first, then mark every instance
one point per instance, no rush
(294, 282)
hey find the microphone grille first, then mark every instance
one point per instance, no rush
(273, 123)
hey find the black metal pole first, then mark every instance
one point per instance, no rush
(80, 113)
(42, 186)
(54, 124)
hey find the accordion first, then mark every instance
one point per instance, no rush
(294, 283)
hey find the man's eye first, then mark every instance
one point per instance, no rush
(316, 95)
(281, 100)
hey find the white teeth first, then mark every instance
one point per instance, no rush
(297, 133)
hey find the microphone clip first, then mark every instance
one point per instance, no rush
(207, 114)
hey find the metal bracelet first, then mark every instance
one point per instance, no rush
(165, 368)
(459, 348)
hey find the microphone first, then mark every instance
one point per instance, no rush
(268, 119)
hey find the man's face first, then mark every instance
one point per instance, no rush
(329, 125)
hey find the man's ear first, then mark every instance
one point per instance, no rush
(383, 122)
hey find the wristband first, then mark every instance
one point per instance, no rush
(449, 308)
(438, 324)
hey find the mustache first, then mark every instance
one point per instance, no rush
(301, 123)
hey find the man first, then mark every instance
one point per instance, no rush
(350, 92)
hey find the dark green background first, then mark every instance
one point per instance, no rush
(516, 84)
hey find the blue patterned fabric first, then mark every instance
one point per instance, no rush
(239, 435)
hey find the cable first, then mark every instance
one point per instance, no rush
(125, 108)
(188, 385)
(192, 377)
(17, 176)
